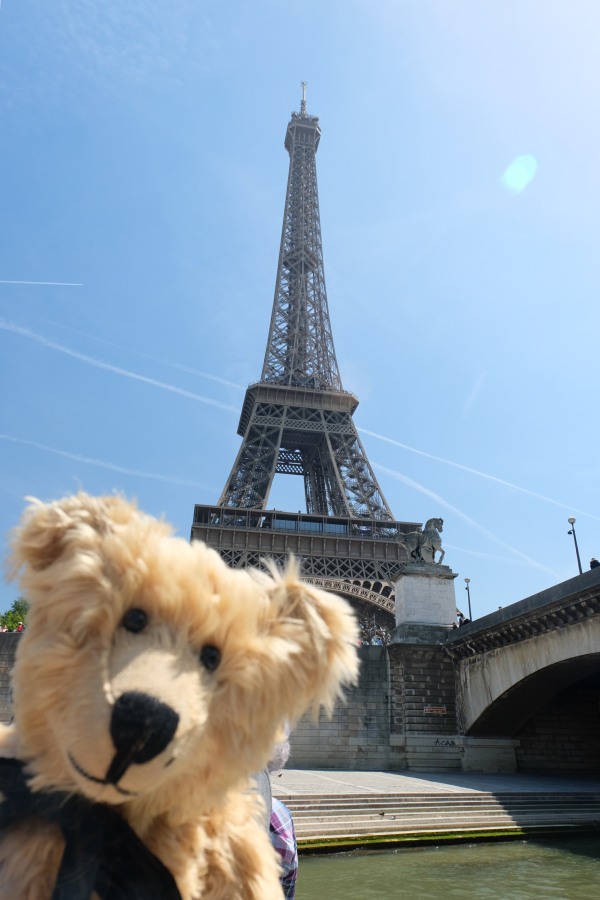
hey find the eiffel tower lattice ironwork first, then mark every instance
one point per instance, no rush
(297, 420)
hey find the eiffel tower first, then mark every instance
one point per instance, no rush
(297, 420)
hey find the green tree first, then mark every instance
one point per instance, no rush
(17, 613)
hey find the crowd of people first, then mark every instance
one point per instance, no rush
(4, 629)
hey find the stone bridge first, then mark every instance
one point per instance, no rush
(531, 673)
(516, 690)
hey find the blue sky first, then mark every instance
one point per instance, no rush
(143, 174)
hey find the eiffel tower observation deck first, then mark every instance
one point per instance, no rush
(297, 420)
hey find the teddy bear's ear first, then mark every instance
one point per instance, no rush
(40, 538)
(316, 636)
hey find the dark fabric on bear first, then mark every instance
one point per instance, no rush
(102, 852)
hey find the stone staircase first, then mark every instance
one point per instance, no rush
(354, 819)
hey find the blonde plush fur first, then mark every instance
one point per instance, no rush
(83, 563)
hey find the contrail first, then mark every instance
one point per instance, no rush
(449, 462)
(105, 465)
(26, 332)
(164, 362)
(52, 283)
(457, 512)
(473, 394)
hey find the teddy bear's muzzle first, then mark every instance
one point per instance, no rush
(141, 727)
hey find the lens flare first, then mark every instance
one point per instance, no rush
(520, 173)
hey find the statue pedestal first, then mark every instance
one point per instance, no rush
(425, 603)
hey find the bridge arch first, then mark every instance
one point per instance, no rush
(510, 712)
(501, 689)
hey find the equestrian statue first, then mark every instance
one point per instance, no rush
(422, 546)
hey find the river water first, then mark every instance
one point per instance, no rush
(566, 869)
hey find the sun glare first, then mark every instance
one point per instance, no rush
(520, 173)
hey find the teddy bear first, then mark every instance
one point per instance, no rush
(150, 683)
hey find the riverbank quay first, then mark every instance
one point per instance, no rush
(337, 810)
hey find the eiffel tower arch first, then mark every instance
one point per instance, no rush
(298, 420)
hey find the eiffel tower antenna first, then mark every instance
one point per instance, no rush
(297, 420)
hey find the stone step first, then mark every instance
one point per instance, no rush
(488, 804)
(448, 823)
(397, 803)
(409, 808)
(402, 815)
(465, 818)
(375, 816)
(433, 795)
(375, 810)
(414, 834)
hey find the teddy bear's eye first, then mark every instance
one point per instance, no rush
(135, 620)
(210, 657)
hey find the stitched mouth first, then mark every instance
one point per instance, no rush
(102, 781)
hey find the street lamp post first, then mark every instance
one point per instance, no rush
(571, 520)
(467, 582)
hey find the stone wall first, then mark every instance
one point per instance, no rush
(8, 646)
(422, 690)
(423, 707)
(401, 715)
(358, 734)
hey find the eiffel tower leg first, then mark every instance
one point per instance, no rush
(351, 487)
(324, 494)
(252, 474)
(341, 502)
(355, 473)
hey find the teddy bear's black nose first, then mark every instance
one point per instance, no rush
(140, 727)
